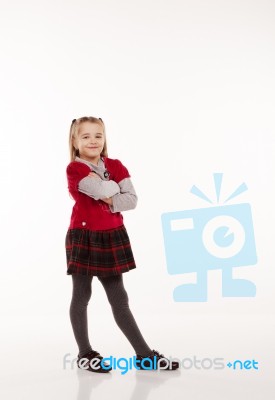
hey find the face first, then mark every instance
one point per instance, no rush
(89, 141)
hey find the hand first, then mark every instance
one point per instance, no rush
(94, 175)
(108, 201)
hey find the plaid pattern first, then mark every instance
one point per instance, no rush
(102, 253)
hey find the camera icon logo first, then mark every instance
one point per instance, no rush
(217, 237)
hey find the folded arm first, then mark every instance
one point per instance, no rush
(126, 199)
(93, 186)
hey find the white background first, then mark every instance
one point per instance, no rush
(186, 89)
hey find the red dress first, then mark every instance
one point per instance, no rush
(97, 242)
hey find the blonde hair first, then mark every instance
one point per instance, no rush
(74, 132)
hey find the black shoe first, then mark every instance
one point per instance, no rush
(95, 365)
(155, 356)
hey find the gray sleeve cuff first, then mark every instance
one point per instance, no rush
(98, 188)
(126, 199)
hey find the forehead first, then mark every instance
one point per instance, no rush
(89, 127)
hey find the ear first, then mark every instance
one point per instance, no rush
(74, 143)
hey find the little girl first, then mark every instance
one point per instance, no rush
(97, 243)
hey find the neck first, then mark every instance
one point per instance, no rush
(91, 160)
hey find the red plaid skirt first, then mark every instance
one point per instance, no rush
(101, 253)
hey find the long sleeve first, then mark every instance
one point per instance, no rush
(98, 188)
(126, 199)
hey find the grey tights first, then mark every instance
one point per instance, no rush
(118, 299)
